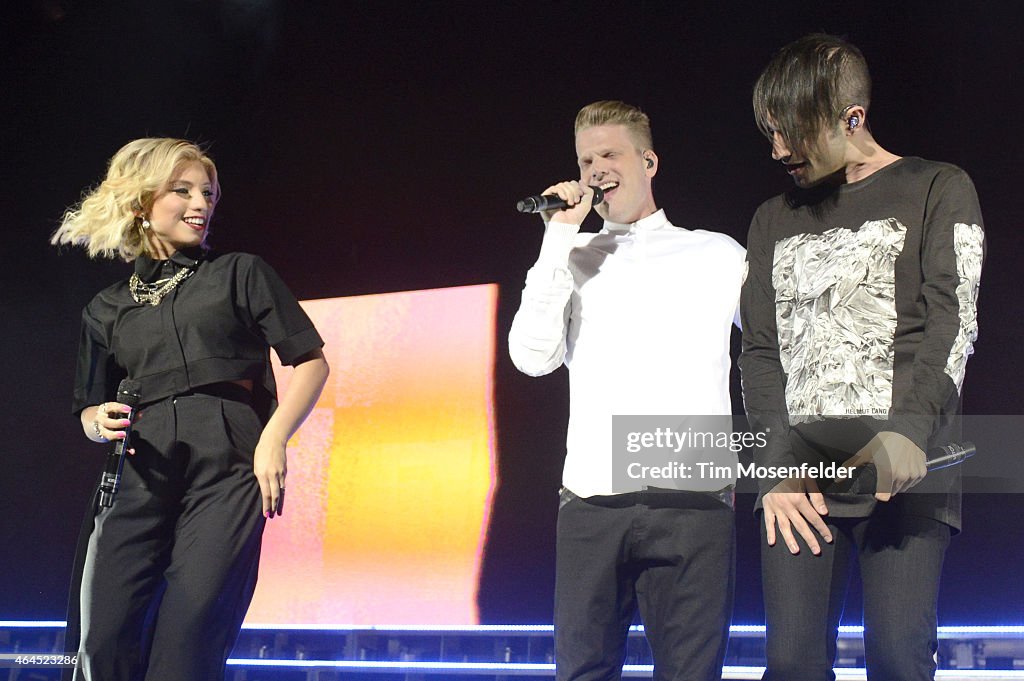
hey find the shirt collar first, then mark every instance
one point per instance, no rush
(654, 221)
(150, 269)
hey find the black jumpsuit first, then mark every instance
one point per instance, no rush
(170, 568)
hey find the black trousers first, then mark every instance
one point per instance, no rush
(171, 567)
(900, 559)
(672, 555)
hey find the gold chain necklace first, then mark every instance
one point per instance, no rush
(152, 293)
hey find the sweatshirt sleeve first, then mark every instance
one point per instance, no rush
(536, 341)
(763, 380)
(952, 251)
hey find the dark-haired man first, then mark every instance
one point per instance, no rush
(859, 313)
(641, 314)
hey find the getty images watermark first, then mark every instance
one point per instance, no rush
(711, 453)
(696, 453)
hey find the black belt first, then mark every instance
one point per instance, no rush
(225, 391)
(657, 497)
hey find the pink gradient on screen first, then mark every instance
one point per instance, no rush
(391, 478)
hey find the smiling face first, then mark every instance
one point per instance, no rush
(609, 158)
(180, 215)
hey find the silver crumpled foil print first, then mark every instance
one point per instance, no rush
(967, 243)
(836, 317)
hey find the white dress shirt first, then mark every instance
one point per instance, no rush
(641, 314)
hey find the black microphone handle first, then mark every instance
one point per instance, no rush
(949, 455)
(937, 458)
(542, 202)
(127, 393)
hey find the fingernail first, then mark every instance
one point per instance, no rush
(266, 514)
(126, 422)
(126, 409)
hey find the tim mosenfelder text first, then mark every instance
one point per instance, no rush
(706, 470)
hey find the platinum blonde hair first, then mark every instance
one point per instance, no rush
(613, 112)
(108, 221)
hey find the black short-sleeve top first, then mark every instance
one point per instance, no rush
(217, 325)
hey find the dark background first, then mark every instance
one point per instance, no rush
(371, 147)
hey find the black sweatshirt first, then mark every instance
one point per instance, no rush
(859, 313)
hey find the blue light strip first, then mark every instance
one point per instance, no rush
(399, 666)
(442, 629)
(728, 672)
(860, 674)
(987, 632)
(994, 631)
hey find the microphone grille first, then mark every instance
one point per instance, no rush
(128, 393)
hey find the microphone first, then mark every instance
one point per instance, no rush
(937, 458)
(127, 393)
(949, 455)
(535, 204)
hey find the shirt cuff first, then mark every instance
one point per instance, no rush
(297, 345)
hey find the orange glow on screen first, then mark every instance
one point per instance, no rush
(390, 479)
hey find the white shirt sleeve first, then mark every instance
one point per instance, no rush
(742, 254)
(536, 341)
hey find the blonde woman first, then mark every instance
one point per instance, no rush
(170, 567)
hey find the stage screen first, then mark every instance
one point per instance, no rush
(391, 478)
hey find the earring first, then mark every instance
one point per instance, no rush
(145, 224)
(854, 122)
